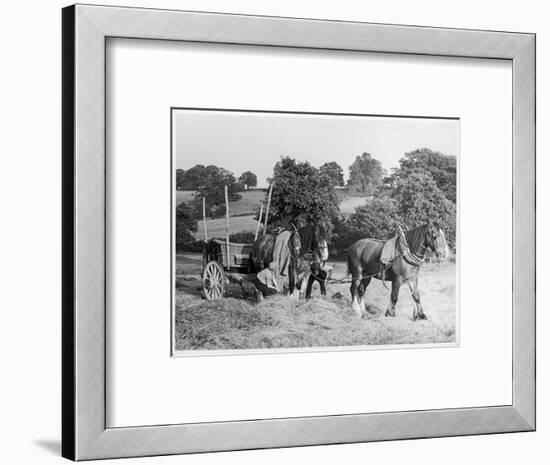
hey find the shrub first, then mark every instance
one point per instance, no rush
(378, 218)
(185, 226)
(243, 237)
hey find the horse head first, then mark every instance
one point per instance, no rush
(435, 241)
(313, 243)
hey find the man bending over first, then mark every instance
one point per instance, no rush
(265, 281)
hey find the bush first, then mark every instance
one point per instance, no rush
(194, 246)
(243, 237)
(377, 219)
(185, 226)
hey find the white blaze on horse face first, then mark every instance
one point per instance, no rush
(442, 245)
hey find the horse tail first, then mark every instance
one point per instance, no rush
(348, 267)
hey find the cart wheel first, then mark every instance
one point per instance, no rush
(213, 281)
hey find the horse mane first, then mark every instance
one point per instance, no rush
(415, 237)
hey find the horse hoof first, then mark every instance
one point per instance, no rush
(390, 314)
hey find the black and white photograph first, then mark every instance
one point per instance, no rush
(313, 231)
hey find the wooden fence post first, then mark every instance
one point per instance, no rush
(204, 218)
(259, 221)
(268, 205)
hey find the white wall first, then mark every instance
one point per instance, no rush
(30, 228)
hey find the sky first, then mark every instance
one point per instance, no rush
(242, 141)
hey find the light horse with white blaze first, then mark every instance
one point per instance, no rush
(397, 260)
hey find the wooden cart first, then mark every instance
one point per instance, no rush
(224, 262)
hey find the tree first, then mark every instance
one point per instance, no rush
(378, 219)
(441, 167)
(193, 178)
(365, 174)
(302, 194)
(334, 171)
(248, 178)
(213, 182)
(185, 226)
(180, 179)
(419, 201)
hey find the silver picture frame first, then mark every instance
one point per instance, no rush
(86, 29)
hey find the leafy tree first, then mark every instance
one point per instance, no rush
(441, 167)
(193, 178)
(180, 179)
(378, 218)
(186, 224)
(211, 187)
(334, 171)
(302, 194)
(248, 178)
(365, 174)
(419, 200)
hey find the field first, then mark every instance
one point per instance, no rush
(242, 212)
(248, 204)
(350, 203)
(238, 322)
(216, 228)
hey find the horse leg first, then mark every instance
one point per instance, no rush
(364, 284)
(293, 290)
(310, 281)
(361, 298)
(300, 280)
(418, 313)
(354, 291)
(395, 285)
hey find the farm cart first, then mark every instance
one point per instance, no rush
(224, 262)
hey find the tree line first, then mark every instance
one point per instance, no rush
(422, 188)
(208, 182)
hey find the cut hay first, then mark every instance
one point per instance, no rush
(282, 322)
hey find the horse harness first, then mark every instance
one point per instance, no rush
(408, 255)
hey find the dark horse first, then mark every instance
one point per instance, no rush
(364, 263)
(306, 245)
(262, 255)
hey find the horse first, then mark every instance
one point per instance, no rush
(262, 255)
(314, 244)
(364, 263)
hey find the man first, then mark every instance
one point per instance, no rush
(265, 281)
(319, 275)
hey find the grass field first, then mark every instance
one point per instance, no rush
(248, 204)
(216, 228)
(238, 322)
(245, 210)
(349, 204)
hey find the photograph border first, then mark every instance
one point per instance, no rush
(85, 29)
(267, 351)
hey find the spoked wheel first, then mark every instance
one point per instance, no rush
(213, 281)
